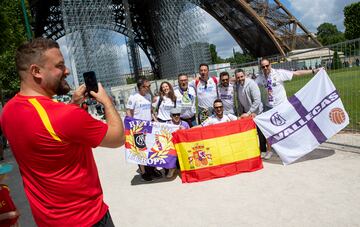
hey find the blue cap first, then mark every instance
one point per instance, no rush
(5, 168)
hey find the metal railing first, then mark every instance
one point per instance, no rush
(341, 61)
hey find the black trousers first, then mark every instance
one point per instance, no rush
(262, 140)
(106, 221)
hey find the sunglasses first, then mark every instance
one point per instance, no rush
(265, 66)
(223, 80)
(176, 115)
(218, 107)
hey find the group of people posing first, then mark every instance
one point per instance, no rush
(208, 100)
(52, 141)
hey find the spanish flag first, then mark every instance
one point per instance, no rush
(218, 150)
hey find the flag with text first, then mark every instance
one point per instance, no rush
(307, 119)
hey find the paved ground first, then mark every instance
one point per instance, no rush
(321, 189)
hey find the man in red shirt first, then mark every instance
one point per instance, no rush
(8, 212)
(52, 141)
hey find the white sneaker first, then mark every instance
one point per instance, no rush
(268, 155)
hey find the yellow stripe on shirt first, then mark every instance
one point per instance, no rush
(44, 118)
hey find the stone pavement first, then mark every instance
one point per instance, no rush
(321, 189)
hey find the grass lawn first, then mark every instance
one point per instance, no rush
(347, 82)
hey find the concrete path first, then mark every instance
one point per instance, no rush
(322, 189)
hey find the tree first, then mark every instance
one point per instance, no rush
(215, 59)
(352, 21)
(329, 34)
(240, 58)
(213, 53)
(12, 34)
(336, 62)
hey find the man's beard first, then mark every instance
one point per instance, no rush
(63, 87)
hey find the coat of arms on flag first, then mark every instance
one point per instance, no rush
(149, 143)
(307, 119)
(217, 150)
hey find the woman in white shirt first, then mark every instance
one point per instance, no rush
(164, 102)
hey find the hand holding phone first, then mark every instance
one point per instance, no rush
(90, 82)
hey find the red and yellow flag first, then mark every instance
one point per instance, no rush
(218, 150)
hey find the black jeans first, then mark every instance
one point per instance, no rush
(106, 221)
(262, 140)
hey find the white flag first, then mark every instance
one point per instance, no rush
(307, 119)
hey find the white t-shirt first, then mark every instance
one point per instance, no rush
(226, 94)
(277, 76)
(164, 109)
(141, 105)
(206, 96)
(215, 120)
(186, 101)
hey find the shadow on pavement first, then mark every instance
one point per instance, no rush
(138, 181)
(317, 154)
(313, 155)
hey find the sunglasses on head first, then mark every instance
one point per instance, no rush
(265, 66)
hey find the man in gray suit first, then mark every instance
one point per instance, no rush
(249, 104)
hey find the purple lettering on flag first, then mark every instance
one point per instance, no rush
(147, 126)
(316, 131)
(306, 119)
(168, 163)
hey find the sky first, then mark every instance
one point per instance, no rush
(311, 13)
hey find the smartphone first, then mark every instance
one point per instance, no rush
(90, 82)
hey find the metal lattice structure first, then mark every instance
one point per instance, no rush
(260, 27)
(179, 33)
(88, 27)
(134, 57)
(132, 48)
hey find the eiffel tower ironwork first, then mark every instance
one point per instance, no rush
(260, 27)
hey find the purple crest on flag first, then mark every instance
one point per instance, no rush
(277, 120)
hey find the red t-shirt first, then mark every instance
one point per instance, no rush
(6, 205)
(52, 143)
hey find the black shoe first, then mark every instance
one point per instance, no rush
(156, 173)
(146, 178)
